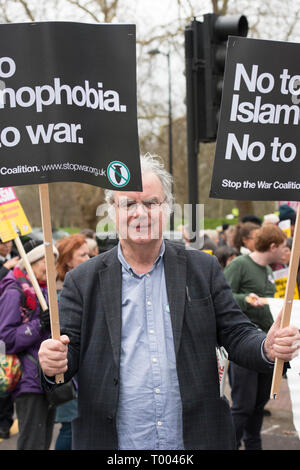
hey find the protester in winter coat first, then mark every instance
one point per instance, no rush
(7, 262)
(23, 326)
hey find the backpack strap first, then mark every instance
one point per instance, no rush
(26, 312)
(23, 297)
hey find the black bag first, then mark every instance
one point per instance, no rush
(62, 394)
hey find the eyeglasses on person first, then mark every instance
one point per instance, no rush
(129, 206)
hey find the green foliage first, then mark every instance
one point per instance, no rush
(70, 230)
(214, 223)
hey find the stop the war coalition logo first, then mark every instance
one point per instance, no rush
(258, 139)
(67, 107)
(118, 174)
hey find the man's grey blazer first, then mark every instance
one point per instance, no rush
(203, 314)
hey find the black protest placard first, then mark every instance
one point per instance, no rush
(258, 142)
(68, 107)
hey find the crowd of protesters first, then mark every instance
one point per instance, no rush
(249, 256)
(248, 252)
(23, 326)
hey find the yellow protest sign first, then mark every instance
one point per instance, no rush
(280, 277)
(285, 226)
(11, 214)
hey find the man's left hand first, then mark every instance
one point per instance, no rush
(283, 343)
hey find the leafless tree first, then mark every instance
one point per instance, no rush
(269, 19)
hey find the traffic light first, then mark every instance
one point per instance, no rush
(205, 46)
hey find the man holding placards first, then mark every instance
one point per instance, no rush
(141, 325)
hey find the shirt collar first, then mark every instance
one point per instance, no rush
(127, 266)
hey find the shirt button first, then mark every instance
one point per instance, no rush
(149, 303)
(154, 359)
(157, 390)
(151, 331)
(159, 423)
(167, 308)
(147, 275)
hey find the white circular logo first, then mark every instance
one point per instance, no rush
(118, 174)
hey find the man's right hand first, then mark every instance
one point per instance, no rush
(53, 356)
(256, 301)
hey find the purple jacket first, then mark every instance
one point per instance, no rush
(21, 338)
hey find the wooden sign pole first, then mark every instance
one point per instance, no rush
(50, 266)
(288, 303)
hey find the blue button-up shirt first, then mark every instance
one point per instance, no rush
(150, 411)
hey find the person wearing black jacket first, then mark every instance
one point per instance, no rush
(140, 324)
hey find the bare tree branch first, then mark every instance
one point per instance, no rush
(86, 10)
(4, 14)
(292, 26)
(27, 9)
(224, 8)
(108, 10)
(215, 6)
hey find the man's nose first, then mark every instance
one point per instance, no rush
(140, 209)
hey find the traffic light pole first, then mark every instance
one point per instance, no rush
(193, 192)
(205, 53)
(170, 134)
(192, 135)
